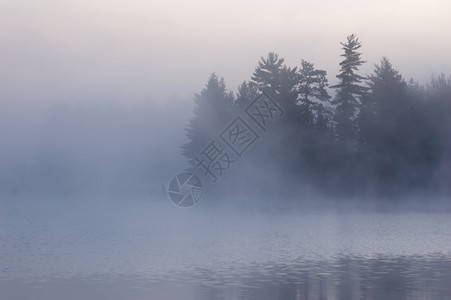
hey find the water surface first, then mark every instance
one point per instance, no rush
(138, 249)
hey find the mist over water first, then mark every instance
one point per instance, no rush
(92, 248)
(84, 213)
(90, 147)
(225, 150)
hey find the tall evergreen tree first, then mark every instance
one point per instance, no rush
(313, 98)
(440, 86)
(349, 90)
(246, 94)
(382, 119)
(399, 134)
(288, 93)
(386, 98)
(272, 76)
(314, 117)
(279, 81)
(438, 108)
(213, 110)
(267, 74)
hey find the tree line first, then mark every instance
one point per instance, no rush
(376, 135)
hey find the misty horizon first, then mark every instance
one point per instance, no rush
(203, 150)
(76, 147)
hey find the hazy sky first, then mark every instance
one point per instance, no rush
(145, 49)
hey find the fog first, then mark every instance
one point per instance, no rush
(225, 149)
(98, 146)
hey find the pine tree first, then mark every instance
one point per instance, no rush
(386, 120)
(437, 108)
(275, 78)
(246, 94)
(386, 99)
(213, 110)
(279, 81)
(349, 91)
(267, 74)
(314, 139)
(440, 86)
(288, 93)
(313, 98)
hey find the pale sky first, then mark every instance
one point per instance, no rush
(136, 49)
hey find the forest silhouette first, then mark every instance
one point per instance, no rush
(365, 135)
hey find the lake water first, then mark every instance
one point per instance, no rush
(136, 249)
